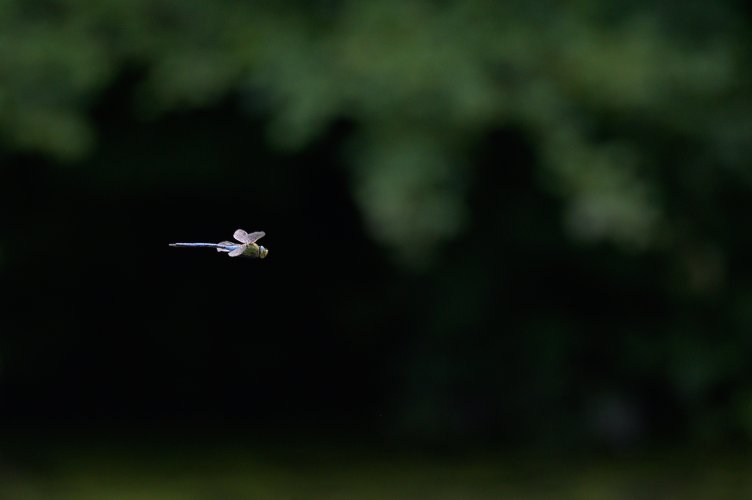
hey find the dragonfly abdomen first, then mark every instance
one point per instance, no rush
(206, 245)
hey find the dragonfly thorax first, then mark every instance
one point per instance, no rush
(254, 250)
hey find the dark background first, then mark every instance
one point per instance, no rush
(492, 228)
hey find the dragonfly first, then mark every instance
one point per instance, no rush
(246, 245)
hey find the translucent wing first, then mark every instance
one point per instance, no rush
(226, 243)
(241, 235)
(255, 236)
(237, 251)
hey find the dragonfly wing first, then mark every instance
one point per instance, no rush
(241, 236)
(244, 237)
(225, 243)
(254, 237)
(237, 251)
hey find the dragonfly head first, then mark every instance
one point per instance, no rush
(262, 252)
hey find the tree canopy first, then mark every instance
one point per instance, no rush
(607, 97)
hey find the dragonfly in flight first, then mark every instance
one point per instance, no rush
(246, 245)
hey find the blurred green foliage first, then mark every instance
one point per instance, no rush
(599, 91)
